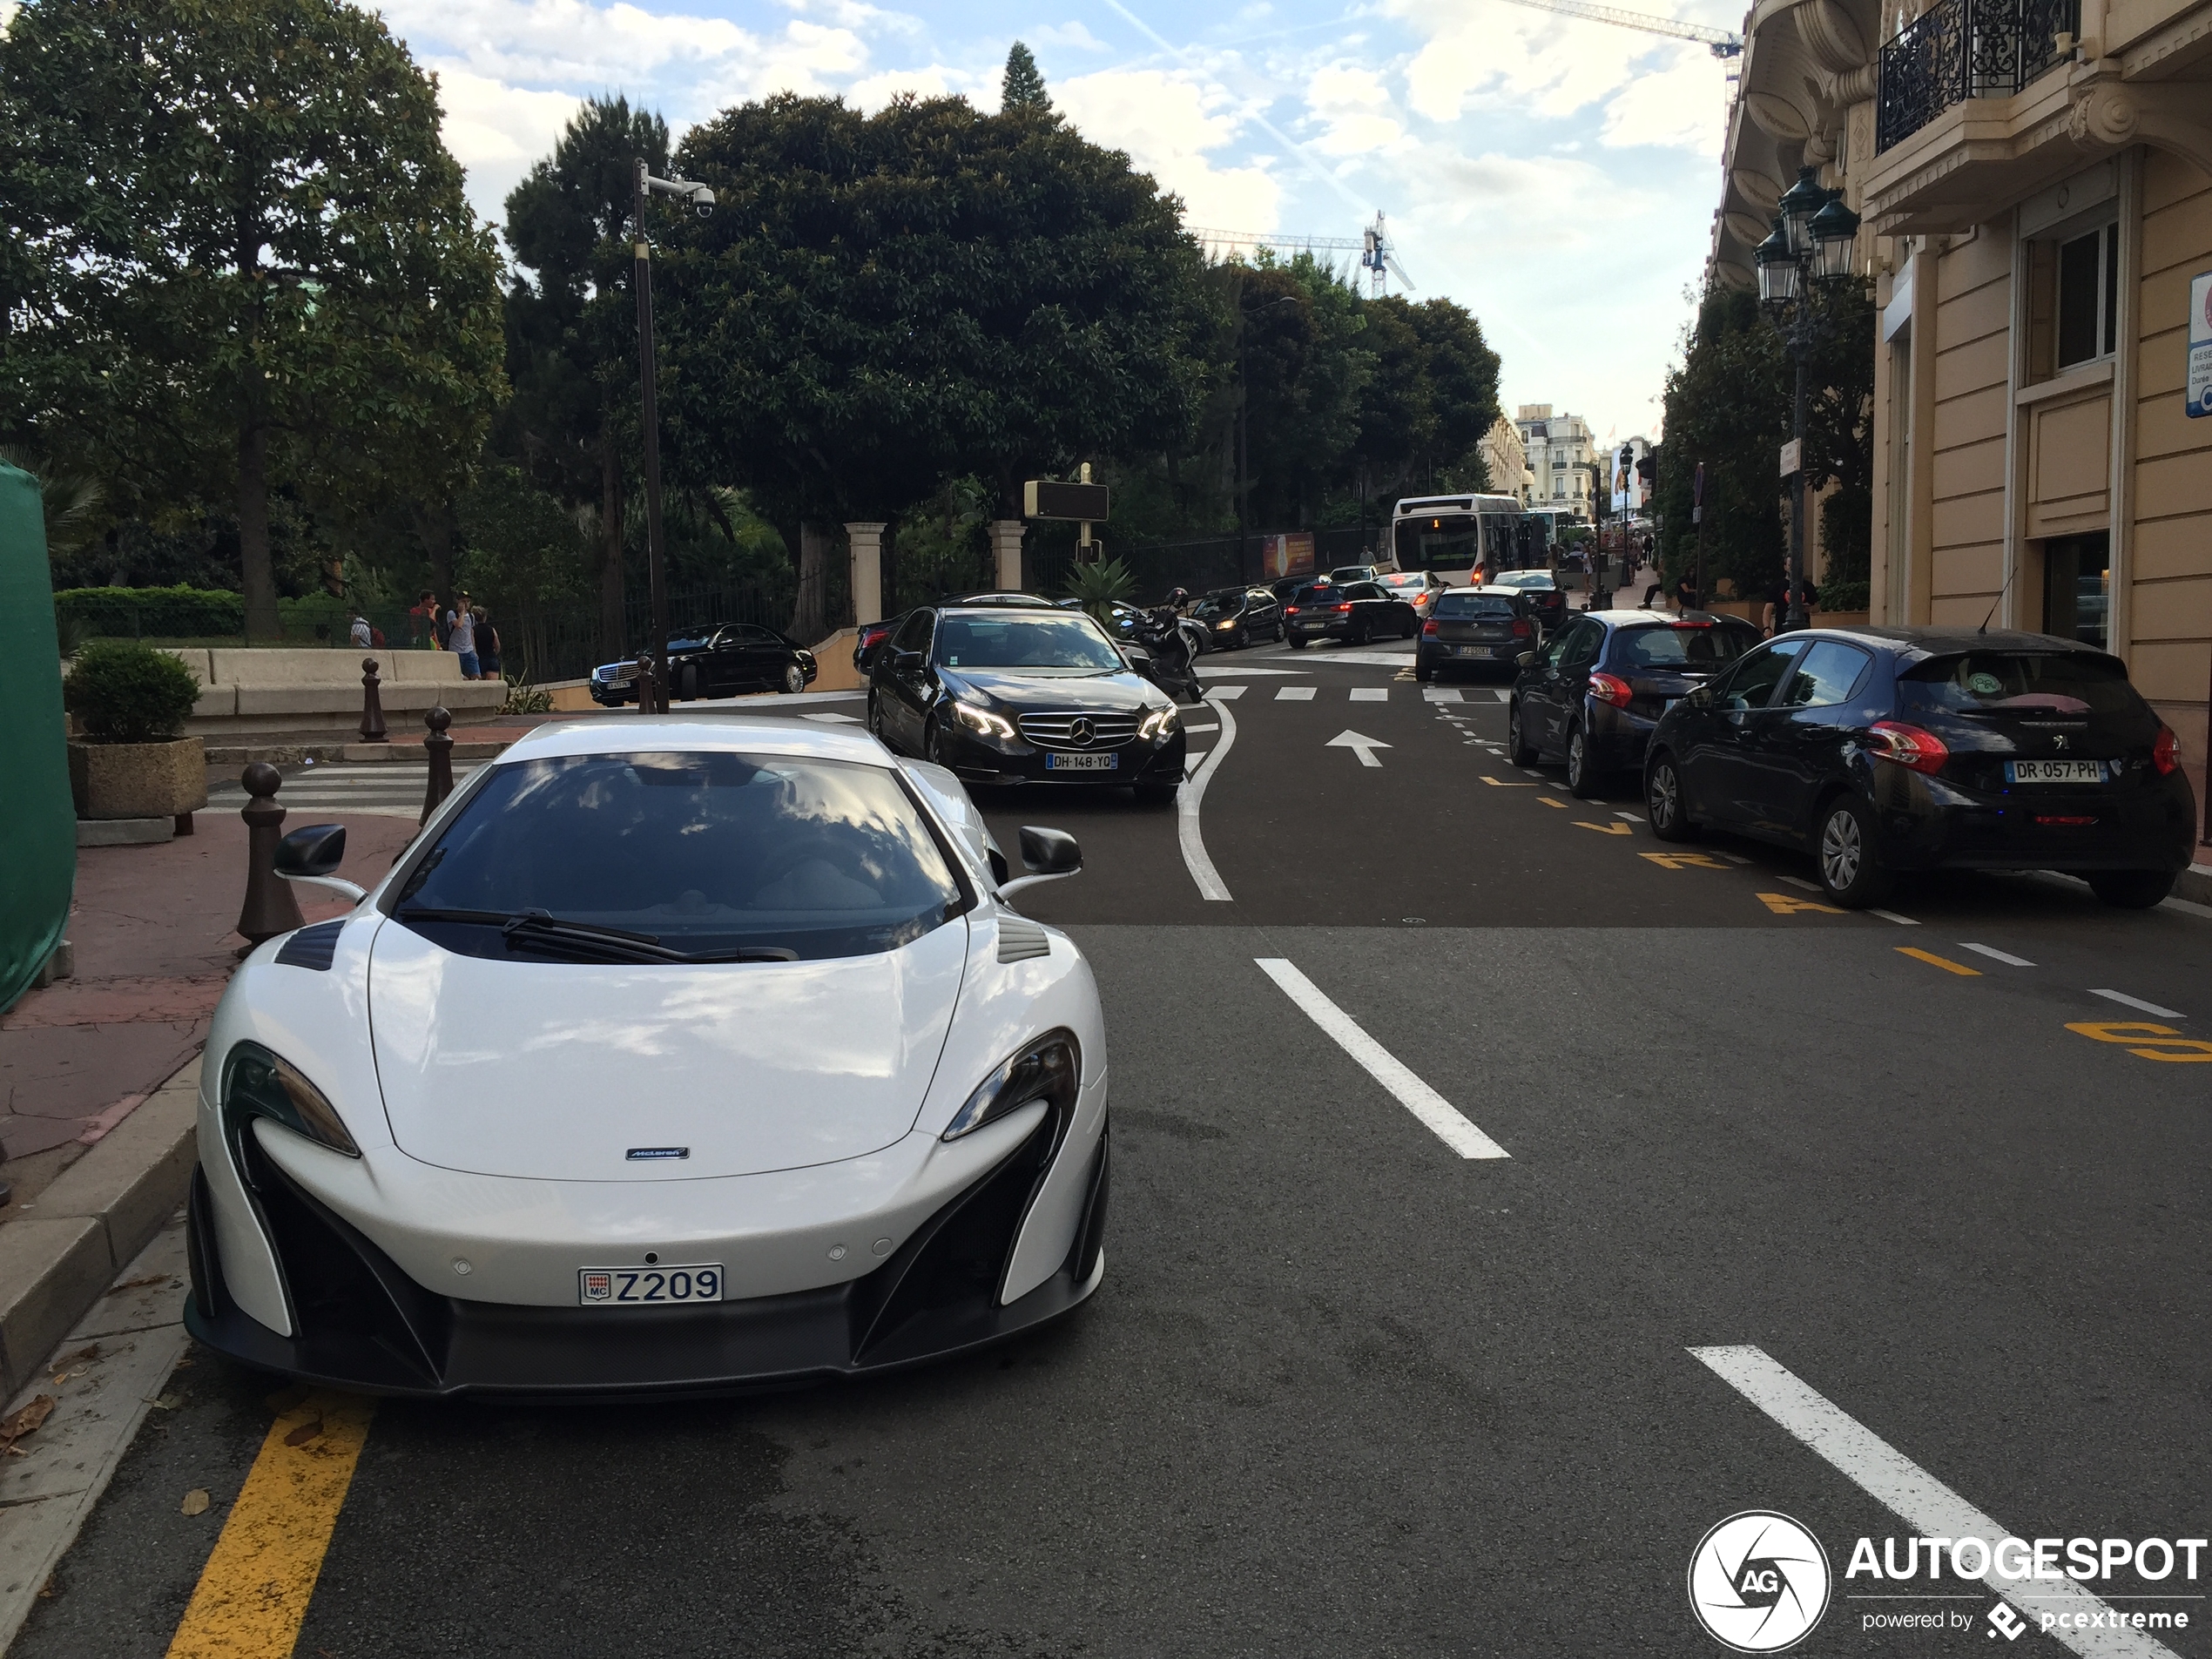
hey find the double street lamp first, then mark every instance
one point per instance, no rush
(1812, 246)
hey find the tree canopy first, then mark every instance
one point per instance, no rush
(1023, 85)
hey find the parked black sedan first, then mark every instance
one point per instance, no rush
(1474, 628)
(1233, 618)
(1010, 694)
(720, 659)
(1351, 613)
(1887, 749)
(1593, 695)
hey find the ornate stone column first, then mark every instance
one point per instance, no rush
(866, 543)
(1006, 552)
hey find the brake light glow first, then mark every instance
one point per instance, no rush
(1680, 627)
(1610, 688)
(1907, 745)
(1347, 606)
(1290, 611)
(1520, 628)
(2163, 757)
(1428, 630)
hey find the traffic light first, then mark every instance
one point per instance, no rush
(1648, 469)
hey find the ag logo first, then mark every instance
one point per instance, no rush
(1758, 1582)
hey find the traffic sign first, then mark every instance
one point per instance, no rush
(1044, 498)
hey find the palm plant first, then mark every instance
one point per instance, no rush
(1098, 585)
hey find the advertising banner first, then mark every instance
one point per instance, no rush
(2200, 370)
(1289, 554)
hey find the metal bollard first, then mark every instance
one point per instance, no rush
(269, 908)
(372, 704)
(438, 749)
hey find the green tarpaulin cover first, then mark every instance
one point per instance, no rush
(37, 820)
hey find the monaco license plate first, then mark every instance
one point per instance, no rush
(1474, 651)
(1081, 763)
(650, 1286)
(2054, 771)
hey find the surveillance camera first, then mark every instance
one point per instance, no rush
(707, 210)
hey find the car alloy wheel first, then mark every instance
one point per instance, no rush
(1581, 783)
(1848, 869)
(932, 744)
(794, 679)
(875, 722)
(1663, 802)
(1518, 748)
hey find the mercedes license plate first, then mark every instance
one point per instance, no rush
(650, 1286)
(1081, 763)
(2054, 771)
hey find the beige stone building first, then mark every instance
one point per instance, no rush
(1507, 457)
(1559, 458)
(2036, 180)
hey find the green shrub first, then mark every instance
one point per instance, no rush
(129, 693)
(150, 613)
(1098, 585)
(523, 698)
(1844, 596)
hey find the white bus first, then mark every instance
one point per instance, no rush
(1451, 534)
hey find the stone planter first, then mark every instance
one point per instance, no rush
(137, 780)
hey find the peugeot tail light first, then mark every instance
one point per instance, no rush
(1610, 688)
(1907, 745)
(2162, 758)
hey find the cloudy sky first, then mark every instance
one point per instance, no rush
(1556, 176)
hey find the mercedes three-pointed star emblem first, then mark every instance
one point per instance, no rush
(1081, 732)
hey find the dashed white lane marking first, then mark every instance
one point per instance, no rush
(1631, 816)
(1440, 693)
(830, 717)
(1530, 771)
(1225, 693)
(1187, 800)
(1892, 915)
(1799, 881)
(2138, 1003)
(1295, 693)
(1736, 858)
(1187, 726)
(1501, 694)
(1416, 1097)
(1929, 1507)
(1371, 694)
(1995, 955)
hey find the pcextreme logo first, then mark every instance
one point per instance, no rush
(1758, 1582)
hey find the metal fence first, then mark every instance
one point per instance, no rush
(1213, 561)
(1963, 49)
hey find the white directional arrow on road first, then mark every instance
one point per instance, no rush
(1363, 747)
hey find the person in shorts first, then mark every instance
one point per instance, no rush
(487, 645)
(460, 637)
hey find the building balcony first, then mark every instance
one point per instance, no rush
(1967, 49)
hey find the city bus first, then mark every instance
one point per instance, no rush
(1451, 534)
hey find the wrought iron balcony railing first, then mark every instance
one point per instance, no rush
(1963, 49)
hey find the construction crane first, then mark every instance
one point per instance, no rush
(1378, 257)
(1719, 41)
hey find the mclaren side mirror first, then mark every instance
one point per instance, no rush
(1051, 852)
(317, 850)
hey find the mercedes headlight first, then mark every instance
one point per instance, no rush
(982, 720)
(1160, 724)
(257, 1083)
(1047, 1070)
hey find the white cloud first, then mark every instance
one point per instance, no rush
(1353, 107)
(1073, 36)
(496, 131)
(1169, 122)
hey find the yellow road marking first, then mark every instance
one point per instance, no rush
(1494, 784)
(1783, 905)
(1684, 860)
(1604, 829)
(2131, 1032)
(1549, 801)
(254, 1590)
(1944, 962)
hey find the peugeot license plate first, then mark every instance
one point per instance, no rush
(650, 1286)
(2054, 771)
(1081, 763)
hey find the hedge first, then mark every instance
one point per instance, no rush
(148, 613)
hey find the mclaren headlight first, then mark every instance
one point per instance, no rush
(1047, 1069)
(257, 1083)
(982, 720)
(1158, 725)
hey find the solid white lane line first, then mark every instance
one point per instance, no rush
(1187, 726)
(1892, 915)
(1295, 693)
(1225, 693)
(1799, 881)
(1384, 1068)
(2138, 1003)
(1371, 694)
(1187, 799)
(831, 717)
(1995, 955)
(1192, 757)
(1933, 1509)
(1440, 693)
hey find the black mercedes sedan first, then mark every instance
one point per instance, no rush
(1010, 694)
(719, 659)
(1882, 750)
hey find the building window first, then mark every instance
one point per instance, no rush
(1559, 489)
(2088, 291)
(2077, 588)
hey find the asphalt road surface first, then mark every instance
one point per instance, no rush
(1875, 1221)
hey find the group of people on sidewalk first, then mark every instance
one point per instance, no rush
(465, 629)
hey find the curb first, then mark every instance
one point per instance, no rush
(2194, 884)
(56, 1261)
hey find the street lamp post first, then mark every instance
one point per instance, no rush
(652, 686)
(1813, 244)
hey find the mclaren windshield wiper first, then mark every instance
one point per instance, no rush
(539, 930)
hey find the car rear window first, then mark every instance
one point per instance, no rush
(700, 853)
(1319, 595)
(2021, 682)
(1461, 605)
(1693, 647)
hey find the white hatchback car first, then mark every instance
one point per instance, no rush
(674, 1055)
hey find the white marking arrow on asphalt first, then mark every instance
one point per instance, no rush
(1363, 747)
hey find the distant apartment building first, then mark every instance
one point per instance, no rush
(1507, 457)
(1562, 464)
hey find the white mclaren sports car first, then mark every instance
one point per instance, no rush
(674, 1055)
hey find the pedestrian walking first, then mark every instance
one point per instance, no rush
(1777, 616)
(460, 637)
(423, 631)
(487, 645)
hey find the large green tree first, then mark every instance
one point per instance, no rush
(236, 249)
(880, 303)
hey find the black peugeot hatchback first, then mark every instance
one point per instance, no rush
(1882, 750)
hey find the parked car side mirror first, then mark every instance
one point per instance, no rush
(1525, 660)
(905, 662)
(318, 849)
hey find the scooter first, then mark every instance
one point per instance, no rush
(1161, 650)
